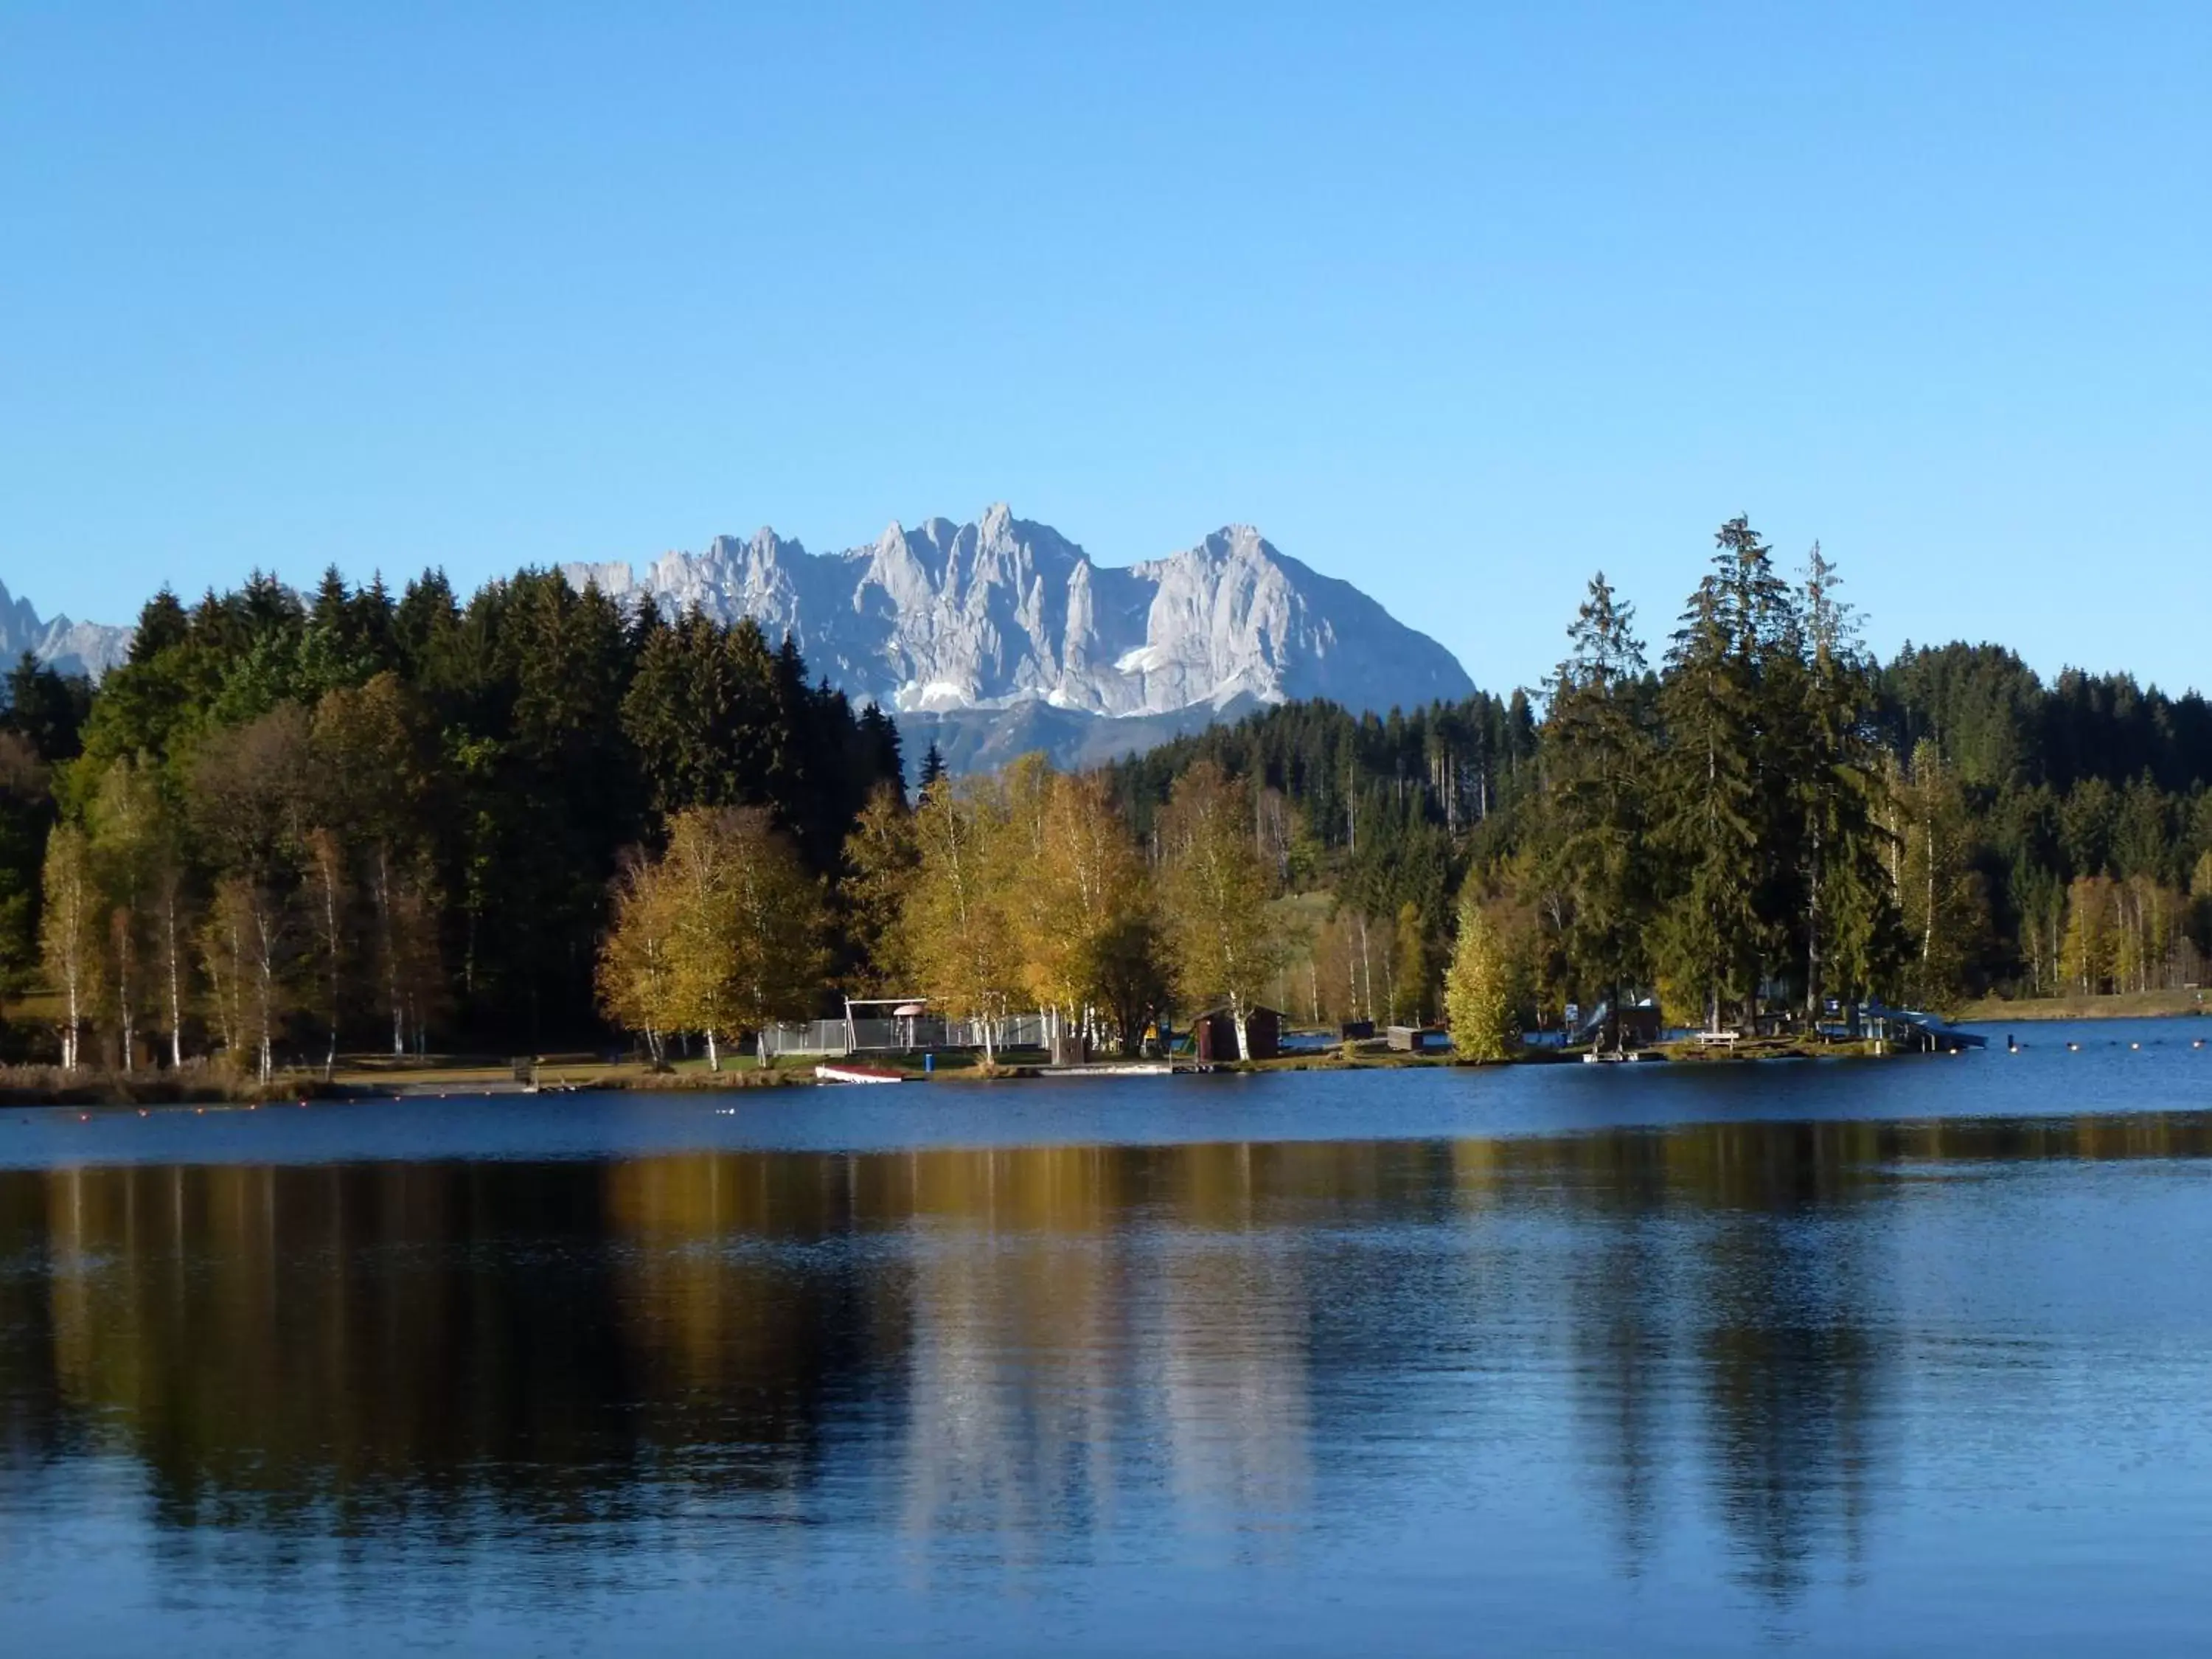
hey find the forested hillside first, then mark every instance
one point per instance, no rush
(2016, 837)
(291, 826)
(366, 820)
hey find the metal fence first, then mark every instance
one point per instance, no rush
(837, 1036)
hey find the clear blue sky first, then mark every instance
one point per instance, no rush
(1456, 303)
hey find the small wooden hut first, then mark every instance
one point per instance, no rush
(1419, 1039)
(1216, 1032)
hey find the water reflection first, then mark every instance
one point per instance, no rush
(1018, 1358)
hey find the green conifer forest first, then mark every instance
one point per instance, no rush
(352, 821)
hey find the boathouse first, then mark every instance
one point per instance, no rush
(1215, 1031)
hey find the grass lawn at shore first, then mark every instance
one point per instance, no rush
(463, 1075)
(2127, 1005)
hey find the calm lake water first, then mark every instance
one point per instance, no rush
(1900, 1358)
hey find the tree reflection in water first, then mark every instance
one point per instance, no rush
(1005, 1358)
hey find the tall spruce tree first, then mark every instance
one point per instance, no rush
(1850, 938)
(1713, 828)
(1597, 757)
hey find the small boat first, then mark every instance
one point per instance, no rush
(855, 1071)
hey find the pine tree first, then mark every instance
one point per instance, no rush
(1940, 893)
(882, 860)
(1710, 930)
(1849, 938)
(26, 814)
(1411, 965)
(162, 624)
(1129, 970)
(374, 784)
(1596, 758)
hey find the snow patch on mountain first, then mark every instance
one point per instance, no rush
(1003, 610)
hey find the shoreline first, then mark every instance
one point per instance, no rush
(43, 1088)
(111, 1091)
(2131, 1005)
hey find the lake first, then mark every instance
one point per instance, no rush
(1901, 1357)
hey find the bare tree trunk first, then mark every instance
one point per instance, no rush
(1927, 928)
(125, 1015)
(714, 1052)
(176, 979)
(387, 942)
(265, 980)
(331, 942)
(1813, 936)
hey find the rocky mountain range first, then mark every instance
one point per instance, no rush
(74, 647)
(1003, 613)
(1001, 635)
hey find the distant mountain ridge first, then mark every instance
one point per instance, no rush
(74, 647)
(1002, 611)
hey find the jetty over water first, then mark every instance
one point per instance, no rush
(1914, 1031)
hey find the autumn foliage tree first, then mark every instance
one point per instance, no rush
(361, 816)
(1214, 896)
(1482, 989)
(720, 935)
(67, 936)
(409, 808)
(955, 925)
(637, 973)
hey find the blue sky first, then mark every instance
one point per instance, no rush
(1459, 303)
